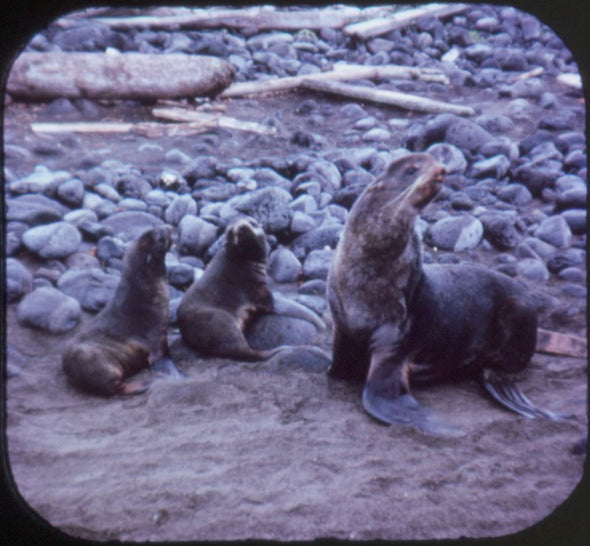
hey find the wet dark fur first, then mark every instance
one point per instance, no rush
(218, 307)
(395, 317)
(129, 334)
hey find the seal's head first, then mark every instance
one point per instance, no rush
(245, 239)
(148, 252)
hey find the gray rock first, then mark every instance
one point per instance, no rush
(195, 235)
(555, 231)
(517, 194)
(572, 274)
(534, 269)
(14, 236)
(56, 240)
(158, 198)
(318, 238)
(270, 206)
(132, 185)
(79, 216)
(540, 249)
(566, 258)
(313, 287)
(317, 304)
(129, 225)
(181, 275)
(272, 330)
(317, 264)
(536, 177)
(501, 146)
(574, 198)
(304, 203)
(449, 156)
(377, 134)
(130, 203)
(309, 358)
(92, 288)
(109, 247)
(283, 266)
(321, 171)
(71, 192)
(301, 223)
(496, 166)
(49, 310)
(500, 230)
(200, 168)
(19, 280)
(576, 220)
(42, 180)
(108, 192)
(181, 206)
(455, 233)
(34, 210)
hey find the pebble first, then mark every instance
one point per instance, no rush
(270, 206)
(71, 192)
(500, 230)
(181, 275)
(49, 310)
(34, 210)
(195, 235)
(19, 280)
(533, 269)
(129, 225)
(317, 264)
(180, 206)
(92, 288)
(449, 156)
(273, 330)
(283, 265)
(555, 231)
(455, 233)
(55, 240)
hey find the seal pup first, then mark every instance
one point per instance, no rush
(218, 307)
(129, 333)
(395, 317)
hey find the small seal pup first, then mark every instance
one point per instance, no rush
(129, 333)
(233, 290)
(395, 317)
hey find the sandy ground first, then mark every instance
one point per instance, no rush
(250, 451)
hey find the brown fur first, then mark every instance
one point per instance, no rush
(129, 334)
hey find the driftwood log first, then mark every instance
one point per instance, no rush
(44, 76)
(340, 72)
(381, 25)
(561, 344)
(261, 18)
(391, 98)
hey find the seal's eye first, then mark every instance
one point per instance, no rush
(411, 171)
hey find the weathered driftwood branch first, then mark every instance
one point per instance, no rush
(262, 18)
(226, 122)
(340, 72)
(191, 123)
(561, 344)
(381, 25)
(391, 98)
(42, 76)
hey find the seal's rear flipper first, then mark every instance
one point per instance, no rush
(134, 387)
(406, 410)
(165, 366)
(507, 394)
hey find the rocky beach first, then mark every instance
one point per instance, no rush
(276, 449)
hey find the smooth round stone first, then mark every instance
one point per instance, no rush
(283, 266)
(533, 269)
(92, 288)
(195, 235)
(56, 240)
(49, 310)
(555, 231)
(455, 233)
(317, 264)
(19, 280)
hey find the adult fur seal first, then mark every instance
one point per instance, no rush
(395, 317)
(129, 334)
(233, 290)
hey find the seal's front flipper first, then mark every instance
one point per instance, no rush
(386, 395)
(165, 366)
(406, 410)
(507, 394)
